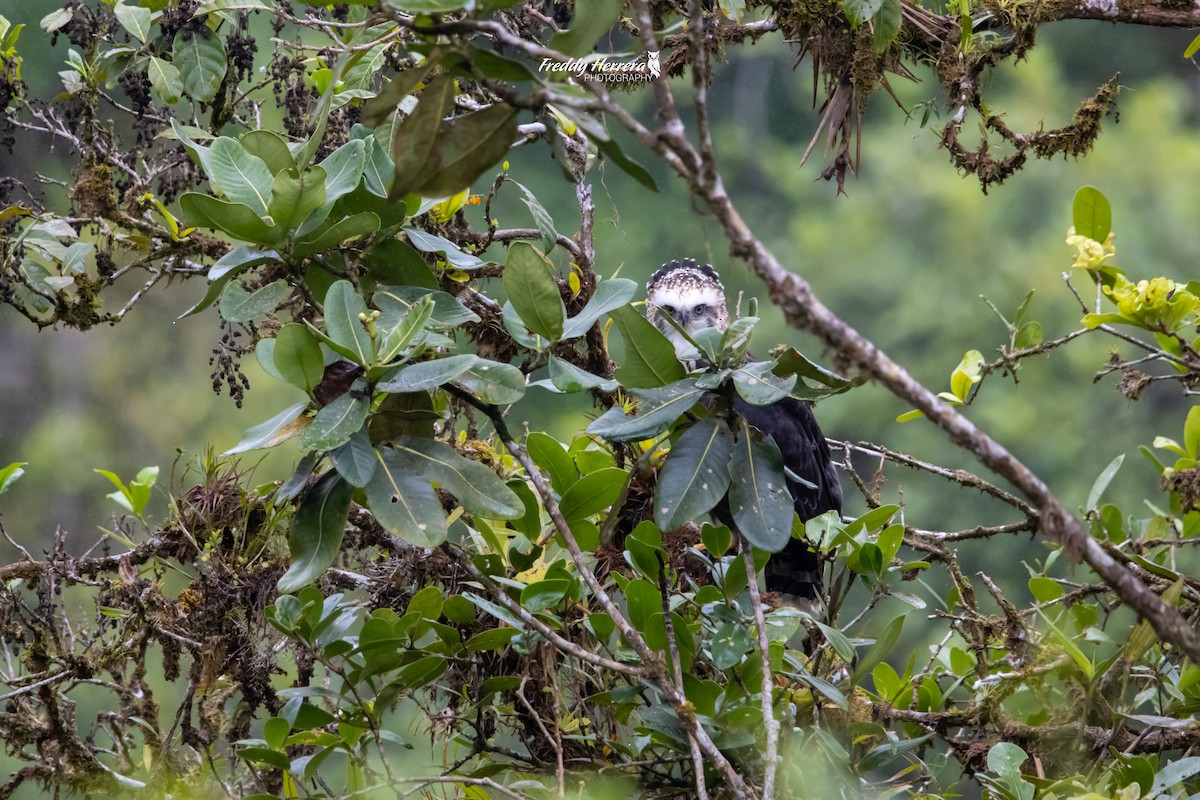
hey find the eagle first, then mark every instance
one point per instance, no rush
(693, 296)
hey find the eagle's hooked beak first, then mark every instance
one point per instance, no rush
(682, 318)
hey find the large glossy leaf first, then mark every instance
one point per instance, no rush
(238, 220)
(493, 382)
(551, 457)
(432, 243)
(695, 476)
(336, 235)
(533, 291)
(650, 359)
(336, 423)
(408, 330)
(297, 356)
(428, 375)
(1092, 214)
(343, 307)
(239, 175)
(200, 57)
(295, 195)
(271, 148)
(657, 409)
(541, 217)
(468, 145)
(476, 487)
(317, 531)
(758, 495)
(165, 79)
(135, 19)
(592, 493)
(592, 20)
(240, 258)
(279, 428)
(613, 152)
(395, 301)
(355, 460)
(344, 168)
(759, 386)
(609, 296)
(414, 144)
(404, 502)
(381, 106)
(238, 305)
(566, 377)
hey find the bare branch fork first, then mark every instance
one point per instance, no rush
(804, 311)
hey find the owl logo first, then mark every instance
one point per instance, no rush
(652, 63)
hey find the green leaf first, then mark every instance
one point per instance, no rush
(271, 148)
(200, 57)
(887, 24)
(355, 460)
(238, 305)
(298, 356)
(1192, 48)
(552, 458)
(1102, 482)
(278, 428)
(240, 176)
(335, 423)
(415, 140)
(237, 219)
(238, 259)
(344, 169)
(404, 502)
(592, 20)
(592, 493)
(294, 196)
(696, 475)
(467, 146)
(423, 671)
(1191, 432)
(432, 243)
(544, 594)
(134, 19)
(316, 533)
(541, 217)
(533, 291)
(165, 78)
(609, 296)
(758, 494)
(859, 11)
(729, 644)
(966, 374)
(401, 85)
(491, 639)
(336, 235)
(657, 409)
(566, 377)
(1092, 214)
(396, 301)
(878, 651)
(650, 359)
(11, 474)
(633, 169)
(407, 330)
(1044, 589)
(493, 382)
(759, 386)
(427, 375)
(344, 310)
(477, 487)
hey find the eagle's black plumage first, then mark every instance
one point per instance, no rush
(796, 570)
(693, 296)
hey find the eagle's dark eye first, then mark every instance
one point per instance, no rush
(700, 310)
(669, 310)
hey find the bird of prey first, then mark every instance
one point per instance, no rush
(693, 296)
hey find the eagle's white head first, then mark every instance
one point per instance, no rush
(689, 293)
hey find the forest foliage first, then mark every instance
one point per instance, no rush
(556, 617)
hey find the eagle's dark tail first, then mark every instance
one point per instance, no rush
(795, 571)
